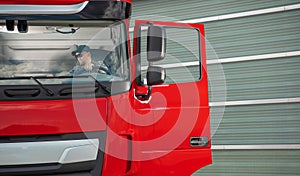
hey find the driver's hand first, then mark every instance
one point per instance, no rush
(101, 71)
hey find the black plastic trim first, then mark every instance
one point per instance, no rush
(61, 91)
(41, 169)
(52, 137)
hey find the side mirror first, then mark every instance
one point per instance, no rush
(155, 75)
(156, 43)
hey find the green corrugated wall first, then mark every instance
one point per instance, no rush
(254, 163)
(259, 134)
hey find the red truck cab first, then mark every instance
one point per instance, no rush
(133, 115)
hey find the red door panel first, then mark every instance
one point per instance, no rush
(179, 114)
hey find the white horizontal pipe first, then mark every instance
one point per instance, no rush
(244, 147)
(255, 102)
(257, 147)
(244, 14)
(254, 57)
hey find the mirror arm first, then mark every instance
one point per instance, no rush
(146, 96)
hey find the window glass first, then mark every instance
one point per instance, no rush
(55, 51)
(182, 61)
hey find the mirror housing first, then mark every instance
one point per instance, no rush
(155, 75)
(156, 43)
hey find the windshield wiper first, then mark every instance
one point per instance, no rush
(49, 92)
(98, 84)
(106, 89)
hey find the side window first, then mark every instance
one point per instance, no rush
(182, 61)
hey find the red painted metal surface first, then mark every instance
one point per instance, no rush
(19, 118)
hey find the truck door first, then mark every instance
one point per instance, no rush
(171, 120)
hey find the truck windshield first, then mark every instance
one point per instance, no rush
(55, 51)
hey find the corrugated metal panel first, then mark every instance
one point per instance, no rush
(270, 33)
(253, 163)
(182, 74)
(261, 79)
(182, 10)
(258, 124)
